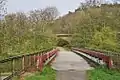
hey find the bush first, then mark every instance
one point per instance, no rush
(62, 43)
(104, 39)
(103, 74)
(47, 74)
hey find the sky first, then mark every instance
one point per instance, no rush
(63, 6)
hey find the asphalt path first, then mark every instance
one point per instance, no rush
(70, 66)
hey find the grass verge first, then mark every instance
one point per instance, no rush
(47, 74)
(103, 74)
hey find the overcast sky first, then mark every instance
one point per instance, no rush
(26, 5)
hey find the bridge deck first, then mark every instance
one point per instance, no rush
(70, 66)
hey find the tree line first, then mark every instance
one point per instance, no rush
(27, 32)
(93, 26)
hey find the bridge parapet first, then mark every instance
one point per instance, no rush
(96, 55)
(64, 35)
(18, 65)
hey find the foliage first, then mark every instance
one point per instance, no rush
(103, 74)
(62, 43)
(47, 74)
(21, 33)
(95, 27)
(104, 39)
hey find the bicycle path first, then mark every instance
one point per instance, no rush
(70, 66)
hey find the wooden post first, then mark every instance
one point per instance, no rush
(0, 76)
(30, 60)
(13, 66)
(23, 62)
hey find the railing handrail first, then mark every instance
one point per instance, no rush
(93, 53)
(107, 52)
(20, 56)
(107, 59)
(35, 60)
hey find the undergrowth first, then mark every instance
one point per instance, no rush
(101, 73)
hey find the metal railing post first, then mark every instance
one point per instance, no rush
(41, 62)
(110, 62)
(34, 60)
(38, 61)
(24, 62)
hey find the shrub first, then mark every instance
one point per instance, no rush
(62, 43)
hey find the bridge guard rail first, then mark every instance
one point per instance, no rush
(99, 55)
(15, 66)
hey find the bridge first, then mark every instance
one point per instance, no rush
(66, 37)
(70, 65)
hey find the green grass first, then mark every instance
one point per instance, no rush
(47, 74)
(103, 74)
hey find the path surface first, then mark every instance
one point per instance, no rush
(70, 66)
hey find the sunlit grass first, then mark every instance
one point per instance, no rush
(103, 74)
(47, 74)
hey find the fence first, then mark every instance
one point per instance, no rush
(97, 55)
(15, 66)
(114, 56)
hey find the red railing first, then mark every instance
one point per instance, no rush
(20, 64)
(99, 55)
(41, 59)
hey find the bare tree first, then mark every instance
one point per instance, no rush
(35, 15)
(89, 3)
(93, 2)
(3, 9)
(49, 13)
